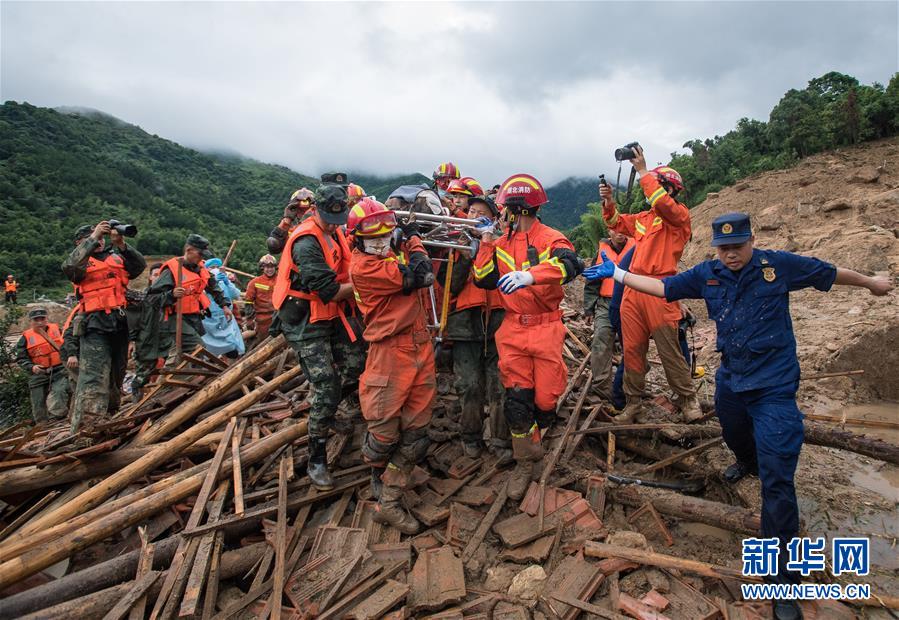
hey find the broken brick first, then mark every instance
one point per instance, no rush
(462, 523)
(533, 552)
(383, 599)
(436, 580)
(554, 498)
(463, 467)
(389, 554)
(573, 578)
(654, 599)
(428, 512)
(475, 496)
(636, 609)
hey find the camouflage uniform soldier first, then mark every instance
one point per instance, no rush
(159, 311)
(38, 354)
(318, 315)
(100, 274)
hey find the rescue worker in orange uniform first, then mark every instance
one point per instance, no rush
(298, 208)
(11, 288)
(100, 273)
(182, 280)
(528, 263)
(597, 299)
(258, 306)
(38, 354)
(471, 326)
(443, 174)
(318, 317)
(660, 235)
(399, 385)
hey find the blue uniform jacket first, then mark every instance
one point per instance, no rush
(751, 309)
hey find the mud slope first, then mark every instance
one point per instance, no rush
(841, 206)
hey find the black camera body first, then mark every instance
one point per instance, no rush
(626, 152)
(126, 230)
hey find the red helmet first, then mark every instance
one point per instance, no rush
(521, 192)
(446, 170)
(466, 186)
(370, 218)
(668, 175)
(354, 193)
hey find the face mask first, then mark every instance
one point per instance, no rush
(379, 246)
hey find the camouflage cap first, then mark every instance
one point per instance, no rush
(83, 231)
(37, 313)
(199, 242)
(331, 203)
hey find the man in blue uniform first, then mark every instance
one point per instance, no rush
(746, 292)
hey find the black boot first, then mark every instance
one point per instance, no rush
(317, 469)
(739, 470)
(787, 610)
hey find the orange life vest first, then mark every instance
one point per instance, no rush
(472, 297)
(336, 251)
(103, 287)
(11, 287)
(607, 286)
(194, 300)
(39, 348)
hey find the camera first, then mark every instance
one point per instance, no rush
(126, 230)
(626, 152)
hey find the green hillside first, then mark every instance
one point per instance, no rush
(59, 170)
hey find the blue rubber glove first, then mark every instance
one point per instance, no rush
(515, 280)
(605, 269)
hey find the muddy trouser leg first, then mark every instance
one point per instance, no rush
(349, 359)
(470, 385)
(602, 346)
(317, 360)
(676, 369)
(118, 366)
(58, 398)
(500, 436)
(92, 392)
(38, 386)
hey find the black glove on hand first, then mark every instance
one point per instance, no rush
(410, 229)
(420, 263)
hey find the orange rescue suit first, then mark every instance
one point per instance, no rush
(398, 387)
(41, 352)
(336, 251)
(11, 287)
(259, 294)
(607, 285)
(660, 235)
(194, 300)
(104, 284)
(529, 341)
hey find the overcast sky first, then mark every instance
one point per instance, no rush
(545, 88)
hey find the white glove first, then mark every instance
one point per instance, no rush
(515, 280)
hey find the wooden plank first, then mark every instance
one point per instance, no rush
(200, 570)
(589, 608)
(196, 514)
(144, 566)
(237, 469)
(660, 560)
(280, 541)
(138, 590)
(680, 456)
(212, 583)
(486, 523)
(381, 601)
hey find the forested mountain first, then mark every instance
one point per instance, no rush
(61, 169)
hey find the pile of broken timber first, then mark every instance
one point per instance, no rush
(194, 503)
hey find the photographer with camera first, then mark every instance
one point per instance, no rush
(101, 273)
(660, 235)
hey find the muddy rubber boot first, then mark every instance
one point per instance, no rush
(376, 484)
(390, 511)
(472, 449)
(690, 409)
(317, 469)
(526, 450)
(631, 411)
(502, 449)
(739, 470)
